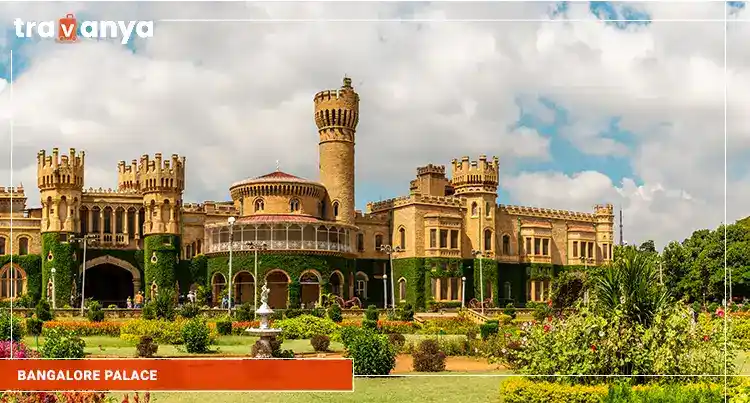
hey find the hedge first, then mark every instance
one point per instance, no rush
(527, 390)
(161, 259)
(58, 253)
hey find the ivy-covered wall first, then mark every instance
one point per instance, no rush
(58, 253)
(161, 260)
(375, 289)
(32, 265)
(412, 269)
(293, 264)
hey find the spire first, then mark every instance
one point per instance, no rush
(278, 169)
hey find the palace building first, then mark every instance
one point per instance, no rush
(303, 237)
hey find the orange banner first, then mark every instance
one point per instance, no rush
(177, 374)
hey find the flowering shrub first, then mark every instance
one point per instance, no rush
(452, 325)
(82, 329)
(385, 326)
(306, 326)
(588, 344)
(19, 350)
(56, 397)
(162, 331)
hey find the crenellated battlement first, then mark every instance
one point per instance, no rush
(547, 213)
(430, 169)
(157, 175)
(604, 210)
(14, 192)
(337, 109)
(480, 176)
(109, 191)
(362, 218)
(449, 201)
(60, 171)
(128, 176)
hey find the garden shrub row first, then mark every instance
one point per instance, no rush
(83, 329)
(161, 331)
(527, 390)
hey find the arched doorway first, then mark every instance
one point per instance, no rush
(111, 281)
(244, 288)
(337, 283)
(278, 287)
(309, 288)
(218, 284)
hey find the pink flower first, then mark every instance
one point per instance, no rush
(719, 312)
(546, 328)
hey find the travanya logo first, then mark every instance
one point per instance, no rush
(68, 29)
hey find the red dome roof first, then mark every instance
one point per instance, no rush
(276, 176)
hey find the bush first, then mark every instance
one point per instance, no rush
(371, 313)
(320, 342)
(454, 325)
(489, 328)
(14, 350)
(370, 324)
(428, 357)
(82, 329)
(346, 335)
(405, 313)
(371, 353)
(10, 325)
(164, 306)
(146, 347)
(61, 343)
(334, 313)
(224, 327)
(318, 312)
(189, 311)
(293, 313)
(196, 335)
(94, 313)
(397, 339)
(148, 311)
(43, 310)
(244, 312)
(510, 310)
(525, 390)
(305, 327)
(162, 331)
(34, 326)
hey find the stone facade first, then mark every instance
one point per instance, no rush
(453, 219)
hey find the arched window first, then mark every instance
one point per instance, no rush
(242, 204)
(361, 285)
(487, 209)
(506, 287)
(361, 242)
(294, 205)
(378, 241)
(402, 289)
(12, 282)
(2, 246)
(488, 240)
(259, 205)
(474, 209)
(335, 209)
(506, 244)
(402, 238)
(23, 246)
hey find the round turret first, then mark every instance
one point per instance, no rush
(161, 183)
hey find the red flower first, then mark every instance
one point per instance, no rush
(719, 312)
(546, 328)
(593, 347)
(549, 303)
(549, 318)
(705, 338)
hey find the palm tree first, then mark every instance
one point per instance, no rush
(630, 285)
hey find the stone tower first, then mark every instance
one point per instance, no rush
(476, 182)
(337, 115)
(162, 184)
(605, 223)
(60, 182)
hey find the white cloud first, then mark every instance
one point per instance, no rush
(235, 97)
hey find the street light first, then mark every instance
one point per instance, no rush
(255, 247)
(390, 251)
(463, 292)
(385, 291)
(478, 254)
(86, 240)
(231, 221)
(54, 303)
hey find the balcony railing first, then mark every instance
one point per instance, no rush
(281, 245)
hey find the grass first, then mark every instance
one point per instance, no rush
(107, 346)
(434, 389)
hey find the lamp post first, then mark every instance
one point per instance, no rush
(85, 240)
(478, 254)
(586, 262)
(390, 251)
(385, 291)
(54, 303)
(230, 221)
(255, 247)
(463, 292)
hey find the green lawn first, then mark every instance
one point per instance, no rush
(225, 345)
(434, 389)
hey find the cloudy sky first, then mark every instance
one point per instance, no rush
(579, 110)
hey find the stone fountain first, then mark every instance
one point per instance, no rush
(267, 335)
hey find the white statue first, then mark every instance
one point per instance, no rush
(264, 294)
